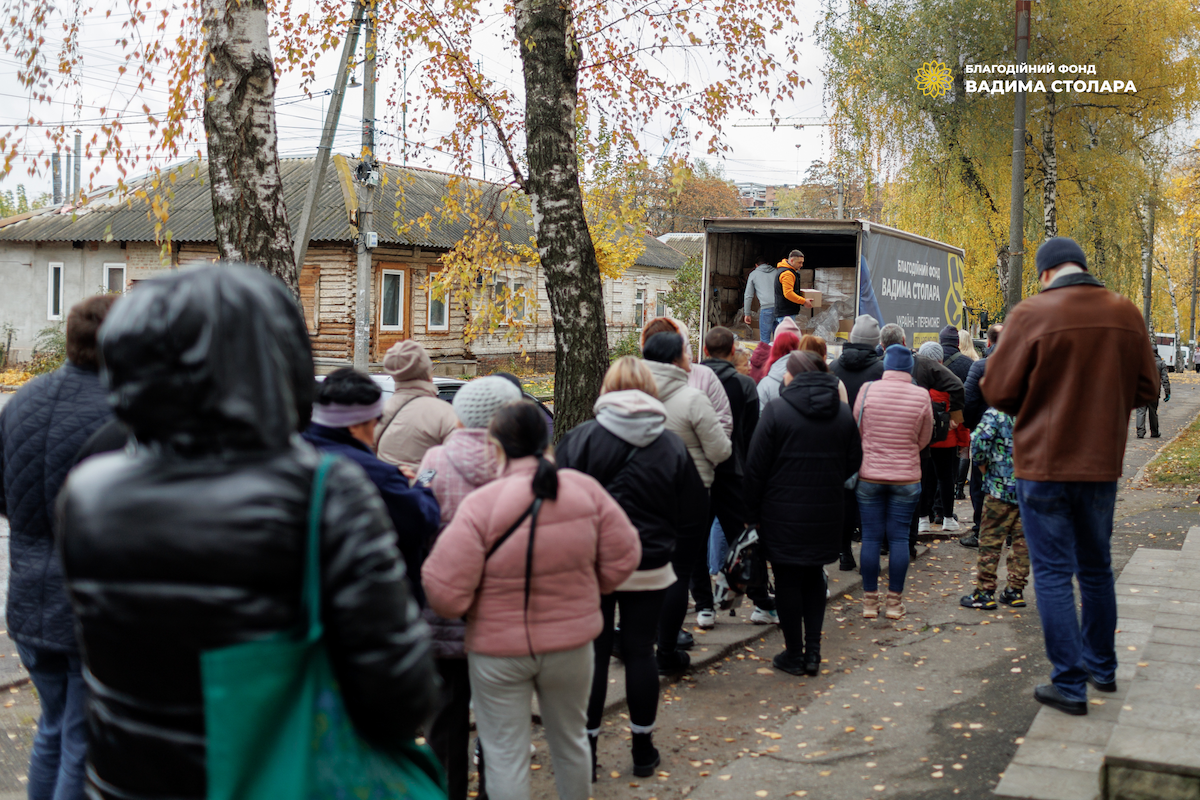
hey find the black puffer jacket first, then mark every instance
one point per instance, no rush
(857, 365)
(193, 540)
(805, 448)
(975, 405)
(743, 404)
(657, 487)
(41, 430)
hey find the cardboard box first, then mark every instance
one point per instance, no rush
(814, 295)
(845, 326)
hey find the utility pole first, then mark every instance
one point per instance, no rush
(317, 178)
(841, 197)
(368, 180)
(1016, 218)
(78, 164)
(56, 177)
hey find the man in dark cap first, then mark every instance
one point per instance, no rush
(1072, 364)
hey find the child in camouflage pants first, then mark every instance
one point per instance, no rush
(992, 452)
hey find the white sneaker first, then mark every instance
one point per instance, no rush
(950, 524)
(923, 525)
(825, 572)
(706, 619)
(764, 617)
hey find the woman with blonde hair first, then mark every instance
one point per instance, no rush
(966, 345)
(648, 471)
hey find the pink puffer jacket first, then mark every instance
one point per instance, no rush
(896, 425)
(585, 546)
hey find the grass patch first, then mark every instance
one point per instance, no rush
(1179, 462)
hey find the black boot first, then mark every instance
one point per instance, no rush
(847, 562)
(812, 659)
(645, 755)
(593, 741)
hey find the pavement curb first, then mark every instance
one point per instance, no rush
(1140, 475)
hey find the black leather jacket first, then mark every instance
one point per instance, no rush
(193, 540)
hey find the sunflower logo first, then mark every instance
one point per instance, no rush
(934, 79)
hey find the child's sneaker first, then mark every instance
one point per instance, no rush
(1012, 597)
(979, 599)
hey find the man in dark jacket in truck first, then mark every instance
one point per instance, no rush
(1072, 419)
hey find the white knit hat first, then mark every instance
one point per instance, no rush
(932, 350)
(478, 401)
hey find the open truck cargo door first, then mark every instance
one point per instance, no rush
(859, 267)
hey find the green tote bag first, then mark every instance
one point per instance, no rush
(276, 725)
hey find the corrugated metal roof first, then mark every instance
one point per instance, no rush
(690, 244)
(658, 254)
(406, 192)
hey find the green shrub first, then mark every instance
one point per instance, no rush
(627, 345)
(49, 350)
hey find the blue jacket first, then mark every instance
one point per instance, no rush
(975, 404)
(41, 431)
(414, 509)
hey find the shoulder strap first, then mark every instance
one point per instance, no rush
(536, 504)
(862, 408)
(952, 359)
(384, 426)
(633, 451)
(311, 593)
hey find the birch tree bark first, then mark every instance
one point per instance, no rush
(550, 55)
(1145, 209)
(243, 155)
(1049, 158)
(1179, 366)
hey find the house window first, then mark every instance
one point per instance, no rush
(439, 316)
(391, 306)
(660, 304)
(54, 294)
(639, 307)
(500, 293)
(518, 301)
(114, 278)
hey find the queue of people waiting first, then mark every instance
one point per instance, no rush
(455, 560)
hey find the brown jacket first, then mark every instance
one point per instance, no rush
(1071, 365)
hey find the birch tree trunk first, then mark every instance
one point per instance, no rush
(1175, 310)
(1145, 214)
(243, 156)
(1049, 170)
(550, 55)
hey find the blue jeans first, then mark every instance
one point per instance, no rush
(1068, 527)
(766, 323)
(59, 758)
(886, 511)
(717, 548)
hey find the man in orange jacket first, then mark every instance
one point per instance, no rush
(788, 297)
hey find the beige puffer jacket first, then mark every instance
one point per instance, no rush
(424, 421)
(690, 414)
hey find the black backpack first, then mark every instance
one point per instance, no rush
(941, 420)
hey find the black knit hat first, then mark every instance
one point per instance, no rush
(1059, 250)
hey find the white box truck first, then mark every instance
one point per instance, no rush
(860, 267)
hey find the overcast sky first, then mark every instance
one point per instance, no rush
(756, 153)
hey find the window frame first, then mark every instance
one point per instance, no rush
(445, 301)
(50, 287)
(124, 267)
(660, 299)
(516, 300)
(639, 301)
(384, 273)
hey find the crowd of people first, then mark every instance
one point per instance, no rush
(466, 565)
